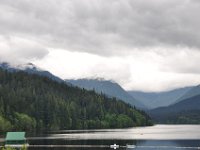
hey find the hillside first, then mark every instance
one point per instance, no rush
(159, 99)
(194, 91)
(33, 102)
(29, 68)
(185, 111)
(107, 87)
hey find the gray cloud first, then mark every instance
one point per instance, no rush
(184, 61)
(15, 49)
(103, 27)
(155, 37)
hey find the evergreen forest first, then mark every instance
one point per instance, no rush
(31, 102)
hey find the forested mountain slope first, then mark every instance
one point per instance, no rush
(29, 68)
(32, 102)
(110, 88)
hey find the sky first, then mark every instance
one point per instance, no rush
(145, 45)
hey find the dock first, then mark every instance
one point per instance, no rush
(109, 146)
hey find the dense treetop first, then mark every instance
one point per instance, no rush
(32, 102)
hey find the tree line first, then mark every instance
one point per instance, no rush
(31, 102)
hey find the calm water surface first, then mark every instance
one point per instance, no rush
(166, 137)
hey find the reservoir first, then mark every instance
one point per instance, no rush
(166, 137)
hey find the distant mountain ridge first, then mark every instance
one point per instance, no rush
(185, 111)
(159, 99)
(29, 68)
(194, 91)
(107, 87)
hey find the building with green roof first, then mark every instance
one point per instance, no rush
(15, 139)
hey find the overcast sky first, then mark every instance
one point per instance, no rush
(148, 45)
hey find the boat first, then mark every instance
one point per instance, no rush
(115, 146)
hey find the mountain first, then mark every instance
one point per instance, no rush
(107, 87)
(185, 111)
(159, 99)
(34, 102)
(29, 68)
(194, 91)
(7, 66)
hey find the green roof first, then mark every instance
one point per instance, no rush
(15, 136)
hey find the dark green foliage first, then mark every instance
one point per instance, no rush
(184, 117)
(31, 102)
(10, 148)
(107, 87)
(4, 124)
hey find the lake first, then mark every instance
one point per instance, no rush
(166, 137)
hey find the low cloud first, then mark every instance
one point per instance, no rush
(182, 61)
(14, 49)
(144, 71)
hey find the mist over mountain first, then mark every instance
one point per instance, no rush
(29, 68)
(175, 106)
(109, 88)
(159, 99)
(100, 85)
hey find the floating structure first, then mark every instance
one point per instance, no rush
(16, 140)
(131, 146)
(115, 146)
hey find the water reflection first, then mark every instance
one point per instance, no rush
(158, 132)
(140, 144)
(166, 137)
